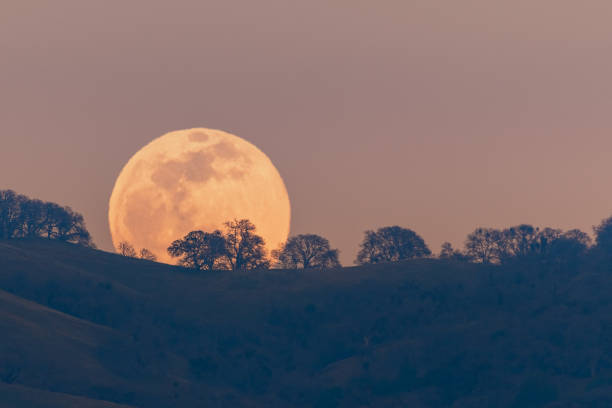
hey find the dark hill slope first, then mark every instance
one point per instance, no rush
(84, 323)
(17, 396)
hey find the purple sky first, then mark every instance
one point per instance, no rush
(439, 116)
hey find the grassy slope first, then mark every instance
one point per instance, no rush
(17, 396)
(425, 333)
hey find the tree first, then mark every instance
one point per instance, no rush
(200, 250)
(391, 244)
(21, 217)
(483, 245)
(487, 245)
(63, 224)
(603, 236)
(568, 248)
(582, 238)
(525, 241)
(10, 211)
(517, 242)
(548, 236)
(32, 218)
(71, 228)
(147, 255)
(448, 252)
(330, 259)
(126, 249)
(307, 251)
(245, 250)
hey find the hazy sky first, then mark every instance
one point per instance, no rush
(439, 116)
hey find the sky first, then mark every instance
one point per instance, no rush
(439, 116)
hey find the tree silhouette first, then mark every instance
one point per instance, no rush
(21, 217)
(307, 251)
(568, 248)
(522, 242)
(548, 236)
(582, 238)
(238, 249)
(483, 245)
(33, 218)
(245, 250)
(448, 252)
(200, 250)
(603, 236)
(147, 255)
(391, 244)
(518, 242)
(71, 227)
(126, 249)
(10, 211)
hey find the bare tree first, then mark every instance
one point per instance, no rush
(391, 244)
(307, 251)
(147, 255)
(126, 249)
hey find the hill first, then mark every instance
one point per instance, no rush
(81, 327)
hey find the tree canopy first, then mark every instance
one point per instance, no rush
(603, 233)
(489, 245)
(200, 250)
(307, 251)
(239, 248)
(245, 250)
(22, 217)
(391, 244)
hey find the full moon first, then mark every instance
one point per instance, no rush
(196, 179)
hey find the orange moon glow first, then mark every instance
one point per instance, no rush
(196, 179)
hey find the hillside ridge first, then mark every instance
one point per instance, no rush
(428, 332)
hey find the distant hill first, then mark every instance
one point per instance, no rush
(85, 328)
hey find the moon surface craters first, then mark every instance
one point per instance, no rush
(199, 167)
